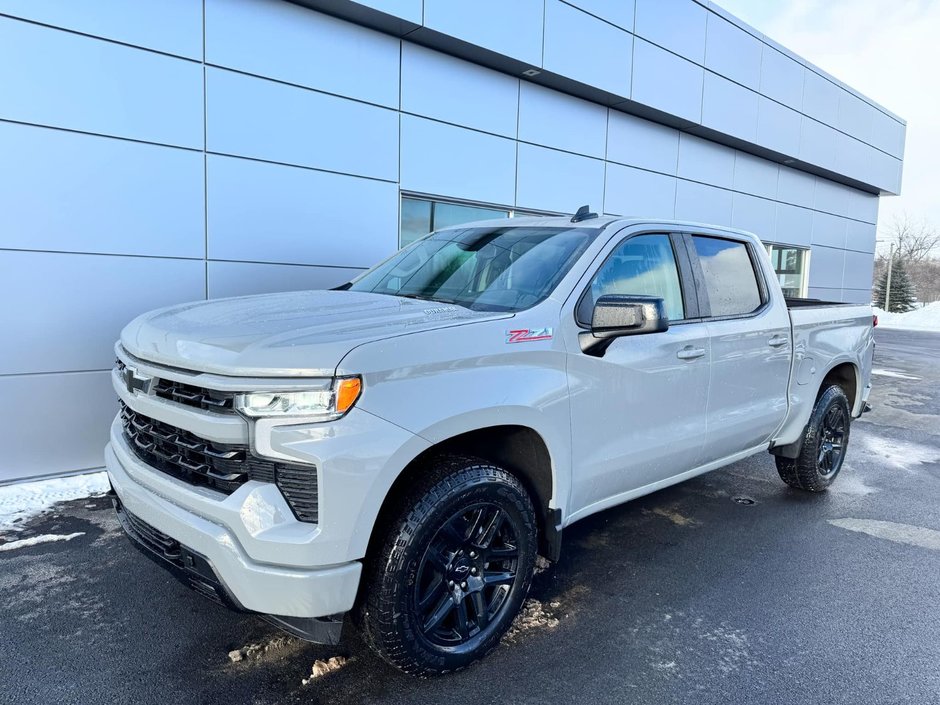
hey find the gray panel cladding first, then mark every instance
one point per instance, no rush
(143, 176)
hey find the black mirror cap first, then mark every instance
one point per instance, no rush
(618, 315)
(621, 314)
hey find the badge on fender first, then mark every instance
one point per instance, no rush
(528, 335)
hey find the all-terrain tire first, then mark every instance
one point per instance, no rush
(421, 552)
(818, 465)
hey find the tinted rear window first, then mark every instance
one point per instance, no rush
(729, 276)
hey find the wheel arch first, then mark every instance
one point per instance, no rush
(518, 449)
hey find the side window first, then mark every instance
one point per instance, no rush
(730, 280)
(645, 266)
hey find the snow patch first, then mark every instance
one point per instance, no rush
(254, 652)
(533, 615)
(893, 373)
(541, 565)
(35, 540)
(898, 454)
(321, 668)
(25, 500)
(924, 318)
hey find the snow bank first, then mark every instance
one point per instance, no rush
(925, 318)
(24, 500)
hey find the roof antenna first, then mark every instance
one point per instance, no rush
(584, 213)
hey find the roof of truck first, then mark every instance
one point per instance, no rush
(600, 221)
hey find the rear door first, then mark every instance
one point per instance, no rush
(638, 411)
(749, 331)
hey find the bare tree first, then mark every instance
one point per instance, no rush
(916, 240)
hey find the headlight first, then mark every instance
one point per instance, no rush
(327, 401)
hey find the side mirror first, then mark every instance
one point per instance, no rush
(617, 315)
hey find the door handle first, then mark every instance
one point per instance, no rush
(690, 353)
(777, 341)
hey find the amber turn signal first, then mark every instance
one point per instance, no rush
(347, 392)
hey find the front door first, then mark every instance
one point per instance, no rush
(637, 412)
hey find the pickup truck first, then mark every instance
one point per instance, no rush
(403, 447)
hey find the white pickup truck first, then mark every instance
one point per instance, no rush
(404, 446)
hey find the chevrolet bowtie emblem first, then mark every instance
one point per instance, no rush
(136, 382)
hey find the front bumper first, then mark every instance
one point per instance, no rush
(212, 538)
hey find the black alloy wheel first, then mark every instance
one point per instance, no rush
(831, 441)
(465, 576)
(449, 567)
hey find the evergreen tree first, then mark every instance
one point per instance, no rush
(902, 290)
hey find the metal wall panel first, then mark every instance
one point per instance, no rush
(729, 108)
(619, 13)
(582, 47)
(641, 193)
(553, 119)
(667, 82)
(794, 226)
(703, 204)
(70, 322)
(755, 175)
(708, 162)
(818, 143)
(778, 127)
(638, 142)
(247, 278)
(83, 193)
(829, 230)
(678, 25)
(820, 98)
(262, 212)
(277, 39)
(170, 26)
(510, 28)
(254, 117)
(826, 266)
(439, 86)
(56, 78)
(85, 404)
(411, 10)
(558, 181)
(781, 78)
(451, 161)
(732, 52)
(754, 214)
(859, 269)
(796, 187)
(861, 237)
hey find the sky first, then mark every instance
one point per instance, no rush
(888, 50)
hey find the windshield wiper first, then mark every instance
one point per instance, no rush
(423, 297)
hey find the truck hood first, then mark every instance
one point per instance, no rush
(291, 334)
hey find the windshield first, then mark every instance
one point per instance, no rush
(485, 269)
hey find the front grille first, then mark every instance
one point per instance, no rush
(188, 394)
(223, 467)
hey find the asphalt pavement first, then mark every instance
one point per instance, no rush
(729, 588)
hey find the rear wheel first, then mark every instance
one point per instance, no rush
(454, 568)
(825, 440)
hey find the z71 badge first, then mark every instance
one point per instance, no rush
(528, 335)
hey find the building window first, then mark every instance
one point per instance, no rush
(420, 216)
(792, 267)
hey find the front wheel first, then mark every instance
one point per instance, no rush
(453, 570)
(825, 440)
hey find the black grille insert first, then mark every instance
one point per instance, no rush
(223, 467)
(189, 395)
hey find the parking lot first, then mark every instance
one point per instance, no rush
(727, 588)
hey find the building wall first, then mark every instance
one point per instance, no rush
(163, 152)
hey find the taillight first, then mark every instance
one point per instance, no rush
(874, 321)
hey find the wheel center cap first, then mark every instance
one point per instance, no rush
(461, 569)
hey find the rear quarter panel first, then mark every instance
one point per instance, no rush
(824, 337)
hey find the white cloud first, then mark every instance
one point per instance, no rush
(890, 52)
